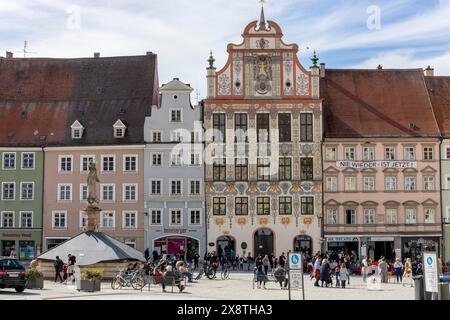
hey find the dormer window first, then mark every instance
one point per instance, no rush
(77, 130)
(119, 129)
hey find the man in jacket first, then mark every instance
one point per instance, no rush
(58, 264)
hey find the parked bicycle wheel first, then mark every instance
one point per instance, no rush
(211, 275)
(138, 282)
(115, 284)
(225, 274)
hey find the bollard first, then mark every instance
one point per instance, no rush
(418, 288)
(444, 291)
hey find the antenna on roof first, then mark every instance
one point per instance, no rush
(24, 50)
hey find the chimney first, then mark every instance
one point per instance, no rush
(149, 53)
(96, 54)
(322, 70)
(9, 55)
(429, 72)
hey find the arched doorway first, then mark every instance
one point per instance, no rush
(225, 245)
(303, 243)
(263, 242)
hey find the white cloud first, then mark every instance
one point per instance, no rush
(405, 59)
(183, 32)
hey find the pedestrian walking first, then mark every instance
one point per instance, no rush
(316, 271)
(364, 268)
(266, 263)
(398, 270)
(58, 264)
(249, 261)
(325, 273)
(382, 269)
(343, 275)
(407, 274)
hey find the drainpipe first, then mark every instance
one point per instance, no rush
(42, 199)
(442, 246)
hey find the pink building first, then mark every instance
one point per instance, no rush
(381, 163)
(120, 171)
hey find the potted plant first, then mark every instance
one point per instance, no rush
(90, 280)
(35, 279)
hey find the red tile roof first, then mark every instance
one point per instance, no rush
(439, 91)
(376, 103)
(43, 97)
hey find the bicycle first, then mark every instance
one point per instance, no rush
(126, 278)
(225, 274)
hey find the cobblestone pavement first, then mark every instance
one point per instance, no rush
(238, 286)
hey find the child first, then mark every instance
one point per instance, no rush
(338, 278)
(343, 274)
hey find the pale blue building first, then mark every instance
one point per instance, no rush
(174, 190)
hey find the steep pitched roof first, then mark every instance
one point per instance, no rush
(439, 91)
(55, 93)
(176, 85)
(91, 248)
(376, 103)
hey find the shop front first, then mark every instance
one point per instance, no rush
(413, 247)
(24, 245)
(377, 247)
(347, 244)
(177, 245)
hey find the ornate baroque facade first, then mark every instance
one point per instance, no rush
(265, 92)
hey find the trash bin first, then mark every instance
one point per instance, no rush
(418, 288)
(444, 290)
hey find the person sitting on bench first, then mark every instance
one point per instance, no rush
(169, 278)
(280, 275)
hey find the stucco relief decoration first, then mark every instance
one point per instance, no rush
(219, 221)
(285, 221)
(274, 188)
(242, 222)
(262, 43)
(263, 186)
(285, 186)
(237, 73)
(262, 74)
(285, 149)
(230, 210)
(288, 85)
(302, 84)
(307, 221)
(241, 187)
(296, 208)
(252, 188)
(224, 84)
(263, 221)
(209, 187)
(318, 187)
(220, 186)
(296, 188)
(252, 208)
(307, 149)
(307, 186)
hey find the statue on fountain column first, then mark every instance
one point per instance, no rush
(92, 181)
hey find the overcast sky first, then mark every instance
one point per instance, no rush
(346, 33)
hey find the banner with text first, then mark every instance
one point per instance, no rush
(377, 164)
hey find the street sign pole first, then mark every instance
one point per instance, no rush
(303, 283)
(289, 282)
